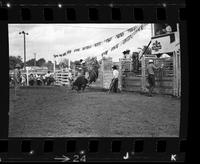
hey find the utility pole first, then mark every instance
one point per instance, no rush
(35, 59)
(54, 65)
(24, 34)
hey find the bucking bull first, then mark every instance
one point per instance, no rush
(81, 82)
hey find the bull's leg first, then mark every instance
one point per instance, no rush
(83, 87)
(79, 88)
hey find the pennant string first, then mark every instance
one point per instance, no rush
(127, 38)
(134, 29)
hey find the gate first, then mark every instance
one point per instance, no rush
(61, 78)
(167, 79)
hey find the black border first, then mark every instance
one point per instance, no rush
(104, 7)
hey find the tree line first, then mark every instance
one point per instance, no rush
(13, 60)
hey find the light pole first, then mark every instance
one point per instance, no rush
(34, 59)
(24, 34)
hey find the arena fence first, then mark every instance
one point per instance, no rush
(61, 78)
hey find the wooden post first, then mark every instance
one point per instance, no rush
(174, 74)
(102, 69)
(179, 73)
(107, 72)
(120, 75)
(143, 78)
(27, 80)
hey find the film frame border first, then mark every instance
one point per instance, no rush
(25, 148)
(109, 149)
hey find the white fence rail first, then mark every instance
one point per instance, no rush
(61, 78)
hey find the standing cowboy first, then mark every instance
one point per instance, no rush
(17, 77)
(114, 82)
(151, 76)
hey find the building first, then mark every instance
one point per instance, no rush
(165, 42)
(37, 70)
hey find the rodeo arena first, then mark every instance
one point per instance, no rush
(138, 96)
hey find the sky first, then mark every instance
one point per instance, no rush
(48, 39)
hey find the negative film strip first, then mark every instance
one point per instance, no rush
(61, 106)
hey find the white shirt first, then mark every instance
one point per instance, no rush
(115, 73)
(23, 79)
(48, 75)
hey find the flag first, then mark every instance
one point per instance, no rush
(134, 28)
(120, 35)
(108, 40)
(83, 48)
(97, 44)
(69, 51)
(114, 47)
(87, 47)
(127, 39)
(104, 53)
(130, 29)
(78, 49)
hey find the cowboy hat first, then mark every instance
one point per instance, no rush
(17, 66)
(114, 67)
(164, 56)
(150, 61)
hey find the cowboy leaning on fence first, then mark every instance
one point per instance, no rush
(151, 76)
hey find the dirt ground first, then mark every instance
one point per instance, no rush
(61, 112)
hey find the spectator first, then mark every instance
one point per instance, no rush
(23, 82)
(17, 75)
(31, 80)
(39, 80)
(167, 29)
(48, 74)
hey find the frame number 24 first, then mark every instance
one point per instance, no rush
(79, 158)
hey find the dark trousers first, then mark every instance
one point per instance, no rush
(151, 81)
(115, 85)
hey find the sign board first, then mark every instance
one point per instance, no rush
(164, 43)
(126, 64)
